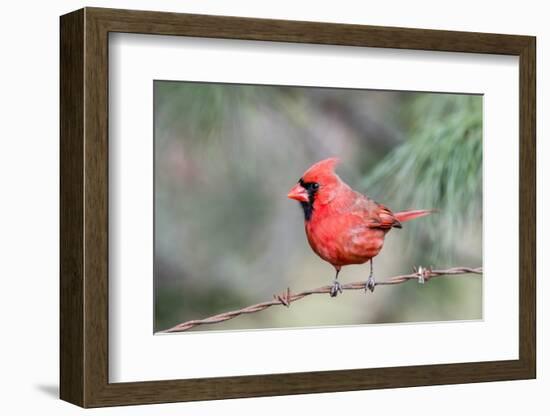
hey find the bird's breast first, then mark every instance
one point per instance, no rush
(343, 239)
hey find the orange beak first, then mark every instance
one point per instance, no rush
(298, 193)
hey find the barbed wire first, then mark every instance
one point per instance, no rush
(420, 274)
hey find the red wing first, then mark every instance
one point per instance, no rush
(385, 219)
(373, 214)
(379, 216)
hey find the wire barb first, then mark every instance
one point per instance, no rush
(285, 298)
(423, 274)
(420, 274)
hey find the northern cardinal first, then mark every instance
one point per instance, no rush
(343, 226)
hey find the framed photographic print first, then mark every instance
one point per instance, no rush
(255, 207)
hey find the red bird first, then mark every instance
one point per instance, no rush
(343, 226)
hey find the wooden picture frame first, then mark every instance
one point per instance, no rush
(84, 207)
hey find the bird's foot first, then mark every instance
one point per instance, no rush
(371, 284)
(335, 289)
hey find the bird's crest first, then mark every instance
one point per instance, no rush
(323, 169)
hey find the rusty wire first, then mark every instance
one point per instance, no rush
(420, 274)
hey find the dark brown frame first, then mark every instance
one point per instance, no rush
(84, 207)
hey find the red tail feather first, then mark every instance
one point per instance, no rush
(412, 214)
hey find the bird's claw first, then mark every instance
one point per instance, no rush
(335, 289)
(371, 284)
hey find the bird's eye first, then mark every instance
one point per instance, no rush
(314, 186)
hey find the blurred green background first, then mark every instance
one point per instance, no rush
(226, 236)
